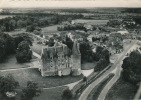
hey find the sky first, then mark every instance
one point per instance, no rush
(69, 3)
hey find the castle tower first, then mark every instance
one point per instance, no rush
(76, 59)
(56, 60)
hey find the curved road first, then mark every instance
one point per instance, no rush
(104, 92)
(87, 91)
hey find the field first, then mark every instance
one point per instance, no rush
(37, 48)
(51, 94)
(122, 90)
(92, 22)
(16, 31)
(11, 63)
(50, 29)
(32, 74)
(46, 94)
(5, 16)
(88, 65)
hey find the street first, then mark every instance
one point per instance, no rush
(116, 66)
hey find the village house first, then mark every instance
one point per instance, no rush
(115, 43)
(129, 21)
(123, 31)
(59, 60)
(88, 27)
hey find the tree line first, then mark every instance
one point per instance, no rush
(19, 44)
(131, 68)
(71, 27)
(9, 84)
(33, 21)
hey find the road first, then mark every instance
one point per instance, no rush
(36, 55)
(87, 91)
(118, 65)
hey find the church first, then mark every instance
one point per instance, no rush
(60, 60)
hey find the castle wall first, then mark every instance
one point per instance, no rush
(55, 61)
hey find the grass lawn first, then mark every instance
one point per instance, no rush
(24, 75)
(97, 90)
(88, 65)
(11, 63)
(122, 90)
(51, 94)
(37, 48)
(46, 94)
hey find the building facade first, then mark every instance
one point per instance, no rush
(59, 60)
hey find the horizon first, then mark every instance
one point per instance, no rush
(70, 4)
(65, 7)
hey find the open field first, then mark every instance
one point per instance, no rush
(32, 74)
(122, 90)
(92, 22)
(16, 31)
(5, 16)
(50, 29)
(51, 94)
(37, 48)
(11, 63)
(97, 90)
(88, 65)
(46, 94)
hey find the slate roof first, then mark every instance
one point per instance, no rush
(52, 51)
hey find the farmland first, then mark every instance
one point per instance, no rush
(93, 22)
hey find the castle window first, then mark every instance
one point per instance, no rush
(62, 62)
(51, 58)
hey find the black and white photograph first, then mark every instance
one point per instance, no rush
(70, 49)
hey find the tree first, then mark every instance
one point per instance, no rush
(23, 53)
(30, 91)
(69, 42)
(67, 95)
(8, 84)
(131, 68)
(85, 79)
(51, 42)
(85, 50)
(20, 23)
(2, 49)
(7, 45)
(12, 24)
(30, 28)
(7, 28)
(22, 37)
(101, 53)
(105, 54)
(102, 63)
